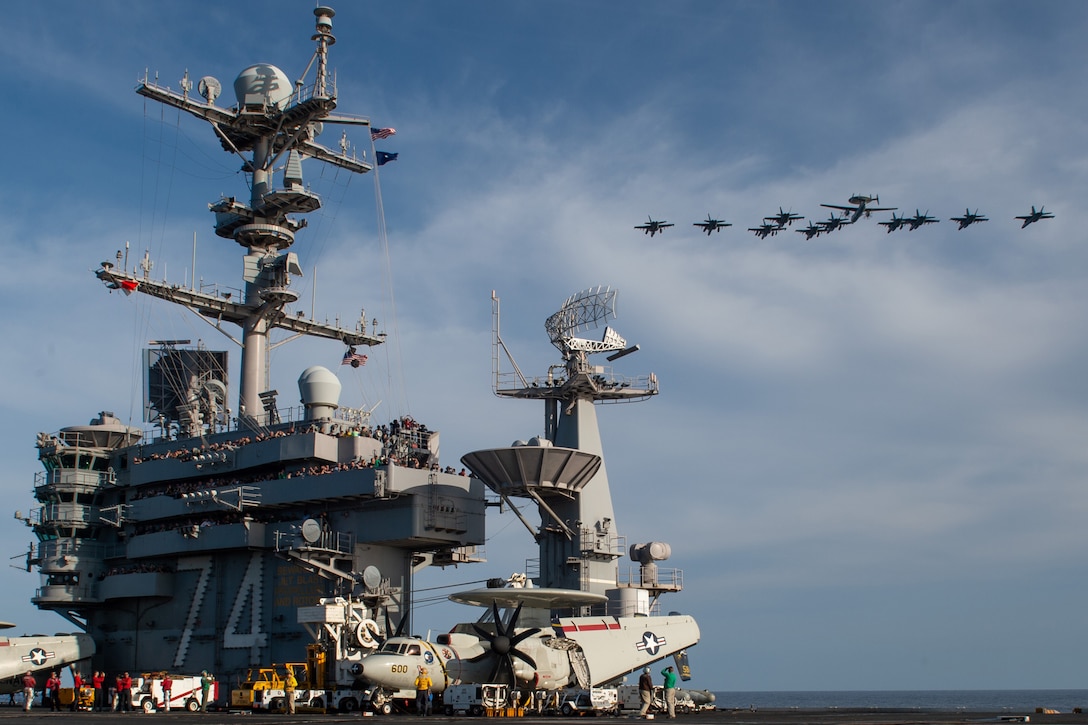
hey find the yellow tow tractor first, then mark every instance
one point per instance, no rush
(264, 687)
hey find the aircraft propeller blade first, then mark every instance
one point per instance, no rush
(503, 644)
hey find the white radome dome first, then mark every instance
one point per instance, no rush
(263, 84)
(319, 390)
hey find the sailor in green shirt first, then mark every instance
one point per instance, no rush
(670, 690)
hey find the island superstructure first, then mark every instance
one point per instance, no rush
(192, 546)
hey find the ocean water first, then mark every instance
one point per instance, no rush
(1013, 701)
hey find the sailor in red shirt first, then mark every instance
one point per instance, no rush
(77, 685)
(124, 692)
(167, 687)
(29, 684)
(52, 688)
(97, 680)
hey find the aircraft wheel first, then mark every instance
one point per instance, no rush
(192, 705)
(148, 705)
(386, 708)
(349, 704)
(567, 710)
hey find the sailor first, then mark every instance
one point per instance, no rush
(124, 692)
(29, 684)
(167, 690)
(423, 692)
(645, 691)
(289, 686)
(52, 692)
(670, 690)
(97, 680)
(206, 680)
(77, 686)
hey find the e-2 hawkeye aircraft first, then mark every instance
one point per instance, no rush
(860, 205)
(38, 652)
(521, 645)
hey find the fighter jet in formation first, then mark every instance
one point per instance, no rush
(782, 218)
(834, 222)
(765, 230)
(919, 220)
(860, 205)
(712, 225)
(812, 230)
(1034, 216)
(968, 218)
(896, 223)
(653, 226)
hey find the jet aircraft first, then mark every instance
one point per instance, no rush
(1034, 216)
(712, 225)
(38, 652)
(765, 230)
(542, 653)
(834, 222)
(919, 219)
(782, 218)
(860, 205)
(652, 226)
(896, 223)
(968, 218)
(812, 230)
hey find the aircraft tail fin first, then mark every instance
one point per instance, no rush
(682, 666)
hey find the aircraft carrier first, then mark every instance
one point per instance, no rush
(192, 543)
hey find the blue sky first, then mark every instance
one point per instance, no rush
(868, 453)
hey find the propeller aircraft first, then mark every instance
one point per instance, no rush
(38, 652)
(896, 222)
(782, 218)
(919, 219)
(860, 205)
(712, 225)
(653, 226)
(1034, 216)
(519, 643)
(968, 218)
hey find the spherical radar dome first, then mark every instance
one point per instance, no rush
(263, 84)
(319, 388)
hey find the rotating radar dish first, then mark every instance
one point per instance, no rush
(582, 311)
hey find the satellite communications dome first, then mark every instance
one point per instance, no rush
(263, 85)
(320, 392)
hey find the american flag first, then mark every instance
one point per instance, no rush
(380, 133)
(353, 359)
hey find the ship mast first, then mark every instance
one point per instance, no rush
(274, 123)
(563, 472)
